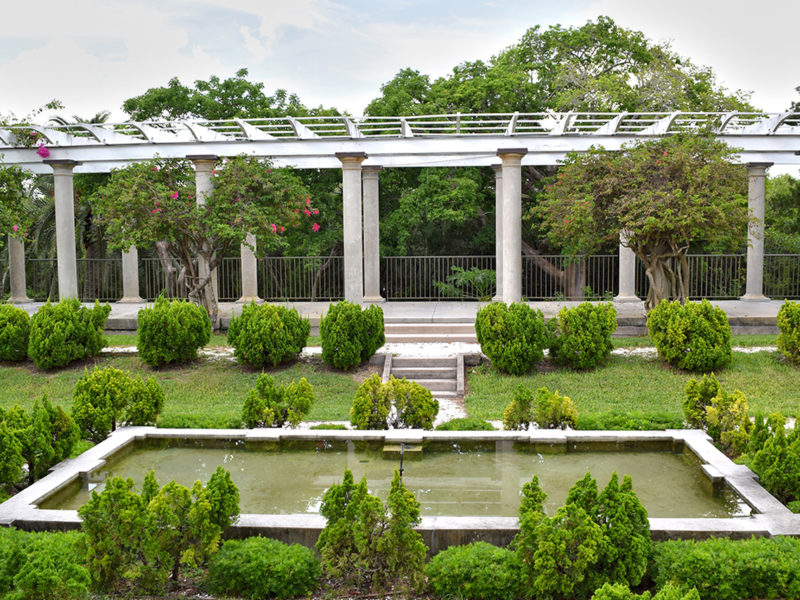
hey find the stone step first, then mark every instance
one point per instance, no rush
(425, 372)
(436, 338)
(445, 385)
(428, 328)
(404, 362)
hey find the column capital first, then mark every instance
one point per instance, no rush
(498, 170)
(61, 162)
(503, 152)
(202, 157)
(371, 170)
(758, 168)
(351, 160)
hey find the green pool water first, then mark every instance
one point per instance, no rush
(455, 482)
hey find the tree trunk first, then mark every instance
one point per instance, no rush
(321, 270)
(571, 280)
(668, 276)
(168, 270)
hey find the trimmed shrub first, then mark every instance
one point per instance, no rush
(65, 332)
(267, 335)
(698, 396)
(15, 326)
(580, 337)
(723, 569)
(11, 459)
(777, 463)
(270, 405)
(171, 332)
(512, 337)
(478, 571)
(724, 416)
(789, 325)
(398, 403)
(258, 567)
(619, 591)
(549, 411)
(349, 335)
(105, 396)
(466, 424)
(694, 337)
(626, 421)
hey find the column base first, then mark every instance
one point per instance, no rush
(754, 298)
(18, 300)
(130, 300)
(374, 299)
(248, 300)
(627, 299)
(497, 298)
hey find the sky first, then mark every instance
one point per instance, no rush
(93, 54)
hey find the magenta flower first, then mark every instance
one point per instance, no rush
(238, 220)
(43, 152)
(315, 211)
(283, 229)
(15, 228)
(274, 228)
(308, 200)
(315, 228)
(174, 195)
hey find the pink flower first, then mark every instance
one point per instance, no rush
(315, 211)
(306, 212)
(154, 211)
(665, 152)
(43, 152)
(238, 199)
(274, 228)
(269, 171)
(154, 169)
(308, 200)
(283, 229)
(15, 228)
(297, 210)
(174, 195)
(238, 220)
(315, 228)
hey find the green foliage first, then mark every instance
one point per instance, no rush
(270, 405)
(14, 218)
(625, 421)
(349, 335)
(550, 410)
(104, 396)
(171, 332)
(789, 325)
(694, 337)
(67, 331)
(258, 567)
(723, 569)
(724, 416)
(14, 331)
(513, 337)
(223, 496)
(475, 283)
(698, 396)
(398, 403)
(367, 544)
(777, 462)
(465, 424)
(619, 591)
(267, 335)
(580, 337)
(477, 571)
(11, 459)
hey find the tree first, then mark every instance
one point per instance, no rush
(658, 197)
(151, 201)
(14, 220)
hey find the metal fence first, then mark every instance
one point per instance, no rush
(315, 278)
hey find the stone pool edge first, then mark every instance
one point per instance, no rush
(769, 517)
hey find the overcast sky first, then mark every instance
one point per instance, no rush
(93, 54)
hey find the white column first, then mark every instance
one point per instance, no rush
(65, 227)
(130, 276)
(498, 230)
(16, 266)
(627, 271)
(756, 177)
(203, 165)
(512, 223)
(372, 236)
(351, 225)
(249, 271)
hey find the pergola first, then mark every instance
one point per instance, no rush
(361, 147)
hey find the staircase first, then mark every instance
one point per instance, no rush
(403, 331)
(443, 376)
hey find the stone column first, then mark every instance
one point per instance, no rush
(16, 265)
(249, 271)
(351, 225)
(627, 271)
(756, 176)
(512, 222)
(203, 165)
(498, 231)
(65, 227)
(130, 276)
(372, 236)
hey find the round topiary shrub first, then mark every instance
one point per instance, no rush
(513, 337)
(478, 571)
(67, 331)
(580, 337)
(267, 335)
(349, 335)
(258, 567)
(15, 326)
(694, 337)
(171, 332)
(398, 403)
(789, 325)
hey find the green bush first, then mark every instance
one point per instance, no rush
(349, 335)
(11, 459)
(548, 410)
(259, 567)
(269, 405)
(723, 569)
(106, 396)
(267, 335)
(512, 337)
(724, 416)
(777, 464)
(466, 424)
(478, 571)
(580, 337)
(626, 421)
(789, 325)
(697, 397)
(171, 332)
(619, 591)
(64, 332)
(398, 403)
(693, 337)
(15, 326)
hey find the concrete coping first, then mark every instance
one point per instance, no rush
(769, 516)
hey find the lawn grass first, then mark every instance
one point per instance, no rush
(766, 339)
(638, 384)
(204, 393)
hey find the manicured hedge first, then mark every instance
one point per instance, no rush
(513, 337)
(171, 332)
(267, 335)
(65, 332)
(15, 328)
